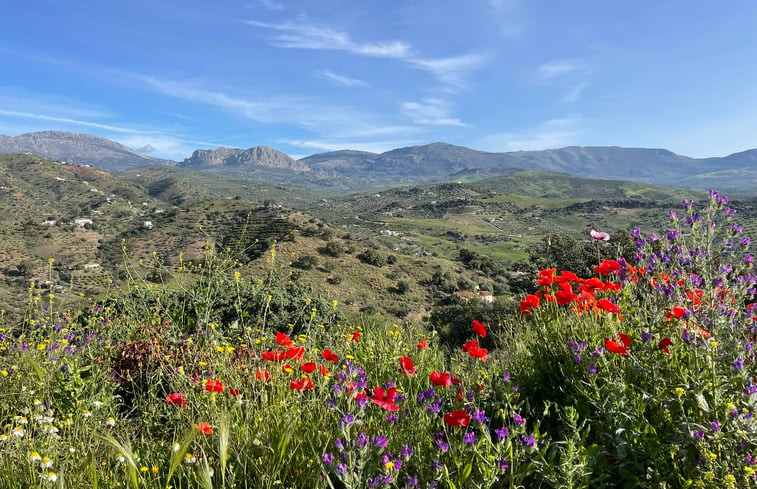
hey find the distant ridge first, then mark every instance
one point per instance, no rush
(78, 148)
(257, 156)
(435, 162)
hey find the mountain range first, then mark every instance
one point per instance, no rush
(355, 170)
(78, 148)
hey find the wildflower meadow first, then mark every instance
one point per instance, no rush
(642, 375)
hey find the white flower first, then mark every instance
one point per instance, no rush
(97, 404)
(35, 457)
(36, 402)
(86, 413)
(46, 463)
(50, 476)
(3, 437)
(190, 458)
(121, 458)
(176, 446)
(19, 431)
(110, 421)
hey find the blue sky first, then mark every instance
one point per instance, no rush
(171, 76)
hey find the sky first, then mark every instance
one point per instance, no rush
(166, 77)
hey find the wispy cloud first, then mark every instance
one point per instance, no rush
(162, 146)
(553, 69)
(356, 129)
(341, 80)
(65, 120)
(575, 91)
(307, 36)
(452, 70)
(320, 145)
(508, 17)
(553, 133)
(299, 35)
(271, 4)
(430, 111)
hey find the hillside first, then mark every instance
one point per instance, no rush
(83, 149)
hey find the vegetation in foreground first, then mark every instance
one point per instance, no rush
(639, 376)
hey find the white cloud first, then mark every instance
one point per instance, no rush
(553, 133)
(321, 119)
(271, 4)
(162, 146)
(557, 68)
(66, 120)
(451, 70)
(323, 145)
(341, 80)
(307, 36)
(575, 92)
(430, 111)
(508, 17)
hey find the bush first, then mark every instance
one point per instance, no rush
(371, 257)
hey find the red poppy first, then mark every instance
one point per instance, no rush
(457, 418)
(204, 428)
(286, 368)
(330, 356)
(568, 276)
(528, 304)
(176, 399)
(479, 328)
(385, 399)
(618, 348)
(607, 267)
(355, 335)
(234, 392)
(546, 277)
(422, 345)
(212, 385)
(294, 353)
(470, 344)
(565, 295)
(664, 344)
(480, 353)
(308, 367)
(407, 366)
(283, 339)
(608, 306)
(303, 384)
(324, 371)
(440, 379)
(273, 356)
(262, 375)
(679, 312)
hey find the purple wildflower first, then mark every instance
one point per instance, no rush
(469, 438)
